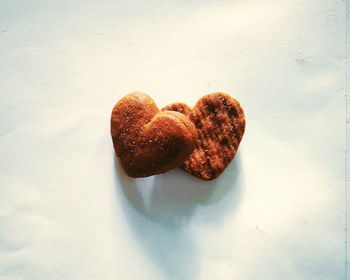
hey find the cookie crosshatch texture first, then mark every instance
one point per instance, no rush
(220, 124)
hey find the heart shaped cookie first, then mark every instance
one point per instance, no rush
(148, 141)
(220, 124)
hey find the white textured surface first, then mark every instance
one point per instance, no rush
(66, 209)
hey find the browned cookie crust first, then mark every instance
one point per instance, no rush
(220, 124)
(148, 141)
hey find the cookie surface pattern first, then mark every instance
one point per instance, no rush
(148, 141)
(220, 124)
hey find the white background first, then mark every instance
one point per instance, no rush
(67, 211)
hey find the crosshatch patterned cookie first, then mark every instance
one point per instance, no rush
(148, 141)
(220, 124)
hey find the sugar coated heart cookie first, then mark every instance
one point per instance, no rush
(148, 141)
(220, 124)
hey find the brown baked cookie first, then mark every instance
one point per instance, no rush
(220, 124)
(148, 141)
